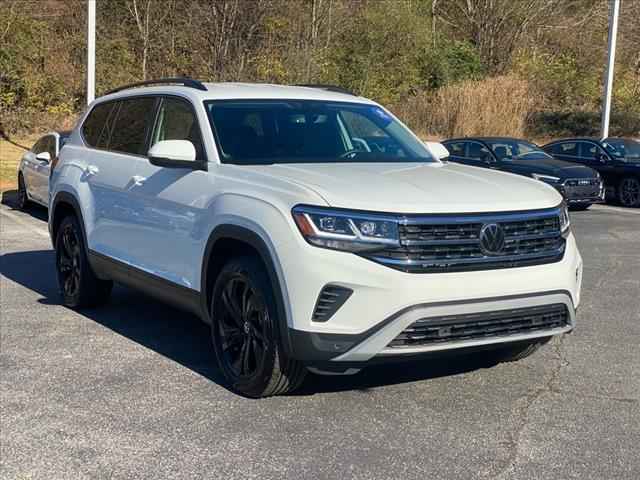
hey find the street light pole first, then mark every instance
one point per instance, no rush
(91, 51)
(614, 10)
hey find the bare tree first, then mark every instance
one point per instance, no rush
(229, 30)
(495, 27)
(148, 15)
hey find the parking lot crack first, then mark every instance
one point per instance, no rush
(525, 404)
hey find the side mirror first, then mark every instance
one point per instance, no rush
(437, 150)
(44, 157)
(173, 154)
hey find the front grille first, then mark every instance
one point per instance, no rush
(429, 331)
(582, 188)
(449, 244)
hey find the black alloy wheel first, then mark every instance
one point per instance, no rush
(245, 335)
(68, 262)
(78, 284)
(629, 192)
(243, 326)
(23, 199)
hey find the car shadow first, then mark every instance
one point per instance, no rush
(183, 338)
(10, 199)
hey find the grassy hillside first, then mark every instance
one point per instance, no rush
(9, 157)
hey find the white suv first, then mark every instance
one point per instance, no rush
(309, 227)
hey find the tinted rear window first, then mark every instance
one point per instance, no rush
(567, 149)
(94, 125)
(134, 120)
(455, 148)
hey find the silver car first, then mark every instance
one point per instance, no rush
(35, 167)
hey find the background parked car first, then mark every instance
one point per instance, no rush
(579, 185)
(35, 168)
(617, 160)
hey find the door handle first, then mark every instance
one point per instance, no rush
(91, 170)
(138, 180)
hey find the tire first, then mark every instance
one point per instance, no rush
(79, 286)
(516, 352)
(580, 208)
(628, 192)
(245, 332)
(23, 199)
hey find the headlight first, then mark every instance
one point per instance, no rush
(345, 230)
(565, 221)
(545, 178)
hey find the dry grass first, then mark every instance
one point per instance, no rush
(9, 157)
(494, 106)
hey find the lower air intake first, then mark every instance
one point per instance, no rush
(500, 323)
(331, 298)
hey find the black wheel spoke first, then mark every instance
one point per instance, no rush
(247, 293)
(66, 243)
(259, 334)
(65, 264)
(231, 304)
(258, 350)
(246, 354)
(233, 338)
(69, 285)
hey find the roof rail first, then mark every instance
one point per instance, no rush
(186, 81)
(330, 88)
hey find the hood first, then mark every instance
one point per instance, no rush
(555, 167)
(418, 188)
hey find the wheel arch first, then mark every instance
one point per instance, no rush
(64, 204)
(233, 239)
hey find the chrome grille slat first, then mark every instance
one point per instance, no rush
(452, 243)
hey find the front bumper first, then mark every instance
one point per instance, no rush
(385, 301)
(318, 349)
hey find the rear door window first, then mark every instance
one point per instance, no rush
(132, 125)
(479, 152)
(95, 129)
(569, 149)
(456, 149)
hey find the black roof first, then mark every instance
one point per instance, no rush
(487, 139)
(577, 139)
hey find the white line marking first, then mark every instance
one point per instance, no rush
(604, 208)
(16, 218)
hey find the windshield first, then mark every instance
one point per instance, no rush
(262, 132)
(619, 147)
(517, 149)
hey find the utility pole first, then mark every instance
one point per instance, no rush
(614, 10)
(91, 51)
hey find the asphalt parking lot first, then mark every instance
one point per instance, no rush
(130, 391)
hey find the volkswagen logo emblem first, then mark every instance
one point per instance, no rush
(492, 239)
